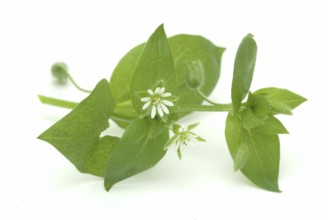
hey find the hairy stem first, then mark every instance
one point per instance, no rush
(205, 108)
(57, 102)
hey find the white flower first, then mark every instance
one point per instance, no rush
(157, 102)
(182, 137)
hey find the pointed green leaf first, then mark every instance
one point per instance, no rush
(139, 149)
(185, 50)
(76, 135)
(261, 165)
(282, 101)
(249, 120)
(155, 65)
(243, 70)
(271, 126)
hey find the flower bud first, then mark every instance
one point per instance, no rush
(194, 74)
(60, 71)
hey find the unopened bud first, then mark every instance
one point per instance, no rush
(59, 70)
(194, 74)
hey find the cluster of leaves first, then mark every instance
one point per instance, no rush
(186, 66)
(252, 128)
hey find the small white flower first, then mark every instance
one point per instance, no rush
(183, 137)
(157, 102)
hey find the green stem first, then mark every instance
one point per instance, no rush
(121, 119)
(205, 108)
(57, 102)
(205, 97)
(76, 85)
(71, 105)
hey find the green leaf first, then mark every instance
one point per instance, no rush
(282, 101)
(261, 163)
(271, 126)
(188, 49)
(249, 120)
(185, 50)
(76, 135)
(262, 167)
(155, 65)
(97, 159)
(139, 149)
(243, 70)
(259, 105)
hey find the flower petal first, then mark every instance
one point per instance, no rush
(159, 110)
(150, 92)
(161, 91)
(145, 99)
(146, 105)
(164, 108)
(167, 94)
(153, 112)
(168, 103)
(157, 90)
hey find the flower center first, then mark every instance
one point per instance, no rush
(156, 100)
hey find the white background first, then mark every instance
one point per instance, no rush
(91, 36)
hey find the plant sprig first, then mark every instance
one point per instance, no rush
(152, 87)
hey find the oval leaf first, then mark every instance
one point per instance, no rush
(139, 149)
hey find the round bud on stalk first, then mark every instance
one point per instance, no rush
(59, 70)
(194, 74)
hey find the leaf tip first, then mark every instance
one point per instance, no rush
(160, 27)
(108, 186)
(250, 35)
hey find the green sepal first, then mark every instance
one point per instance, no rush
(171, 141)
(192, 126)
(176, 128)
